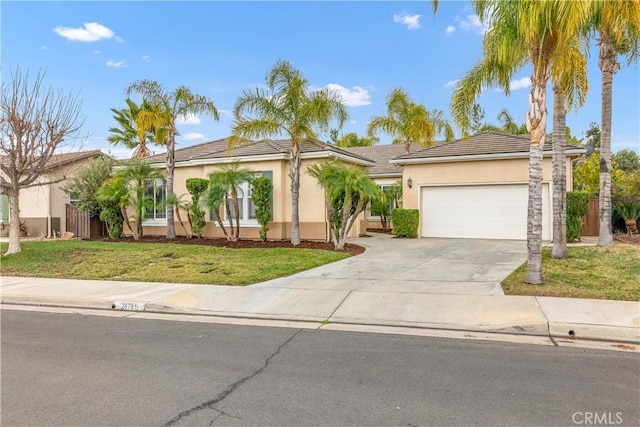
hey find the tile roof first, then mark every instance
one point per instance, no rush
(220, 149)
(485, 143)
(382, 154)
(58, 160)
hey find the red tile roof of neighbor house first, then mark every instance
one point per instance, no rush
(220, 149)
(58, 160)
(485, 143)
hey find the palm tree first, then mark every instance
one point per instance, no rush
(137, 175)
(168, 106)
(288, 107)
(353, 140)
(115, 191)
(522, 32)
(570, 86)
(228, 178)
(618, 25)
(409, 122)
(127, 133)
(348, 191)
(178, 203)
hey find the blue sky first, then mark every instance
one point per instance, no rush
(362, 49)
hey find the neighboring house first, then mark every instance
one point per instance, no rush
(269, 158)
(43, 207)
(478, 187)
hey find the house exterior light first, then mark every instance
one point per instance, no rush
(409, 183)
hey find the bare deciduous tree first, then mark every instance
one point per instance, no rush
(36, 122)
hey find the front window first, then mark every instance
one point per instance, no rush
(157, 193)
(245, 204)
(391, 203)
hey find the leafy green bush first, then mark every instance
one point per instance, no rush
(261, 197)
(196, 187)
(405, 222)
(577, 207)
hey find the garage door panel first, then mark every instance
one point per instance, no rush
(481, 211)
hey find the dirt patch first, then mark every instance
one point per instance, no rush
(633, 239)
(349, 248)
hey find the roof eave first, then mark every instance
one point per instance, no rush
(472, 157)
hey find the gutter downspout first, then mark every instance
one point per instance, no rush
(49, 231)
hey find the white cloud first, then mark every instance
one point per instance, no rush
(522, 83)
(353, 122)
(451, 83)
(89, 32)
(356, 97)
(471, 23)
(193, 136)
(189, 119)
(43, 47)
(146, 58)
(97, 52)
(450, 30)
(411, 21)
(115, 64)
(227, 113)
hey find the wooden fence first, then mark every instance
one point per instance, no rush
(83, 226)
(591, 221)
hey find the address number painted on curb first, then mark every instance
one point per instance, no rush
(128, 306)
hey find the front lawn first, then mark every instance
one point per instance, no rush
(589, 272)
(159, 262)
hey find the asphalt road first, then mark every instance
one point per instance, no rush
(76, 370)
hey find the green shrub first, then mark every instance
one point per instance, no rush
(577, 207)
(405, 222)
(196, 187)
(261, 197)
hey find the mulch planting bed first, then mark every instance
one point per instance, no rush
(243, 243)
(633, 239)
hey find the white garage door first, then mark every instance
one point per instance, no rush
(480, 211)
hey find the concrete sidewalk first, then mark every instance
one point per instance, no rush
(611, 321)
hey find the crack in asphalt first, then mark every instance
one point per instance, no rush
(230, 389)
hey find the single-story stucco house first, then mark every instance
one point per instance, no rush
(268, 158)
(43, 207)
(466, 188)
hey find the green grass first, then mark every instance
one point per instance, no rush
(589, 272)
(151, 262)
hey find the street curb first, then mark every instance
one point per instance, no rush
(581, 332)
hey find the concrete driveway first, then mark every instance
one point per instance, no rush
(430, 266)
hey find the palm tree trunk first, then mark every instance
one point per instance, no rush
(125, 217)
(139, 207)
(559, 175)
(14, 223)
(236, 208)
(294, 175)
(186, 233)
(171, 163)
(607, 61)
(536, 120)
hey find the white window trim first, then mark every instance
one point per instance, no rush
(156, 222)
(248, 223)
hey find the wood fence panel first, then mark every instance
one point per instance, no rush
(591, 221)
(77, 222)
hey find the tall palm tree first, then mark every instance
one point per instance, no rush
(409, 122)
(523, 32)
(228, 178)
(127, 132)
(288, 107)
(570, 86)
(618, 25)
(168, 106)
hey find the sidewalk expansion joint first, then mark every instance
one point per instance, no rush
(339, 305)
(546, 319)
(230, 389)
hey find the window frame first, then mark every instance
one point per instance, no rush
(155, 221)
(382, 185)
(247, 190)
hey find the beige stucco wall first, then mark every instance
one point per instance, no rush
(472, 172)
(45, 200)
